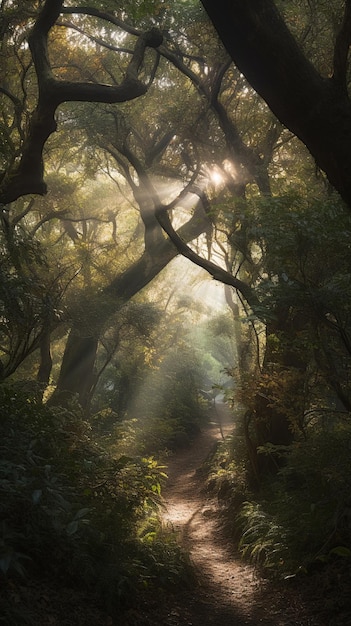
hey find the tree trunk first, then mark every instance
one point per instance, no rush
(77, 369)
(316, 109)
(45, 366)
(273, 423)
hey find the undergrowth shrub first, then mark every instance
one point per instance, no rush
(227, 471)
(73, 512)
(300, 516)
(299, 522)
(305, 509)
(166, 411)
(165, 414)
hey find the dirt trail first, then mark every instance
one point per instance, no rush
(230, 592)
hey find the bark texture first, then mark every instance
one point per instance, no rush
(77, 369)
(316, 109)
(28, 176)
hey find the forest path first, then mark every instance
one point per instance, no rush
(230, 592)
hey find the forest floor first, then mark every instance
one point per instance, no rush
(229, 591)
(226, 592)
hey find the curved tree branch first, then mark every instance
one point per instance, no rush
(96, 40)
(18, 111)
(103, 15)
(218, 273)
(316, 109)
(149, 265)
(250, 159)
(27, 178)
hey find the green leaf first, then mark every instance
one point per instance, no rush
(72, 528)
(81, 513)
(123, 461)
(36, 495)
(341, 551)
(5, 562)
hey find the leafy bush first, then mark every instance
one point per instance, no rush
(166, 411)
(301, 517)
(70, 510)
(262, 539)
(299, 522)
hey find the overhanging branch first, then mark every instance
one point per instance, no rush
(218, 273)
(27, 177)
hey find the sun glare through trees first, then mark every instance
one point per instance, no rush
(174, 252)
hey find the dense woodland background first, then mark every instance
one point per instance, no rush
(140, 159)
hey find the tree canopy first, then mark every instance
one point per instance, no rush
(175, 228)
(313, 104)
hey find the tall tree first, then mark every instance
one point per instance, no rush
(315, 107)
(24, 174)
